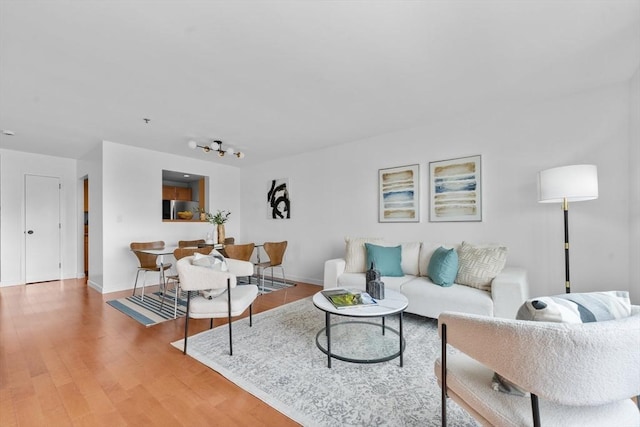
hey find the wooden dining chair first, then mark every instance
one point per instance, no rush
(227, 241)
(190, 243)
(275, 251)
(148, 262)
(240, 252)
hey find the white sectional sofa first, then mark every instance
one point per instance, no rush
(508, 290)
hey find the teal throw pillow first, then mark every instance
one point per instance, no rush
(443, 266)
(387, 259)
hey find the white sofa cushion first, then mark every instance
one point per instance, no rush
(358, 281)
(429, 300)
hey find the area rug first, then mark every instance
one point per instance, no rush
(277, 360)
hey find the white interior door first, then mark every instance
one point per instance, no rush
(42, 228)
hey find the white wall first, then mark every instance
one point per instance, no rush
(14, 165)
(90, 167)
(125, 205)
(334, 191)
(634, 191)
(334, 194)
(132, 206)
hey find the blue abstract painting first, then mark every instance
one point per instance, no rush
(456, 190)
(399, 194)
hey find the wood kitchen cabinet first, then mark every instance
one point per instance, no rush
(183, 187)
(176, 193)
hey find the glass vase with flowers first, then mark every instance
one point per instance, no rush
(219, 219)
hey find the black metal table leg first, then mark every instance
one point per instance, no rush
(401, 361)
(327, 322)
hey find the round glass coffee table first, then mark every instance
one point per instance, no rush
(359, 339)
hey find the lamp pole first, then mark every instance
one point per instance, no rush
(567, 283)
(564, 184)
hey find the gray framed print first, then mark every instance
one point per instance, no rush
(399, 194)
(455, 188)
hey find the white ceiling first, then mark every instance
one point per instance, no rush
(279, 77)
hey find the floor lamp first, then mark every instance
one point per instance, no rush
(563, 185)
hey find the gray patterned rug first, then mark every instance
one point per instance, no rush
(277, 360)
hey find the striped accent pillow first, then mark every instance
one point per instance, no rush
(479, 265)
(577, 308)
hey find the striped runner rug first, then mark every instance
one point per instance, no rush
(269, 285)
(147, 310)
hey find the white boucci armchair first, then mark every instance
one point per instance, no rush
(577, 374)
(227, 299)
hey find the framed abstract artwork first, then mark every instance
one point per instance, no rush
(278, 201)
(399, 194)
(456, 190)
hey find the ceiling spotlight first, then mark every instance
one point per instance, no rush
(217, 147)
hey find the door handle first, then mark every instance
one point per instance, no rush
(30, 232)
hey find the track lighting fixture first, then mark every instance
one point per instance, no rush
(216, 146)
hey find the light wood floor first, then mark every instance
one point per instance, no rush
(67, 358)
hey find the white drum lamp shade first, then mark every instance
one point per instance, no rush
(575, 183)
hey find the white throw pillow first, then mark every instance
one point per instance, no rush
(356, 254)
(480, 264)
(202, 260)
(577, 308)
(216, 254)
(215, 262)
(411, 258)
